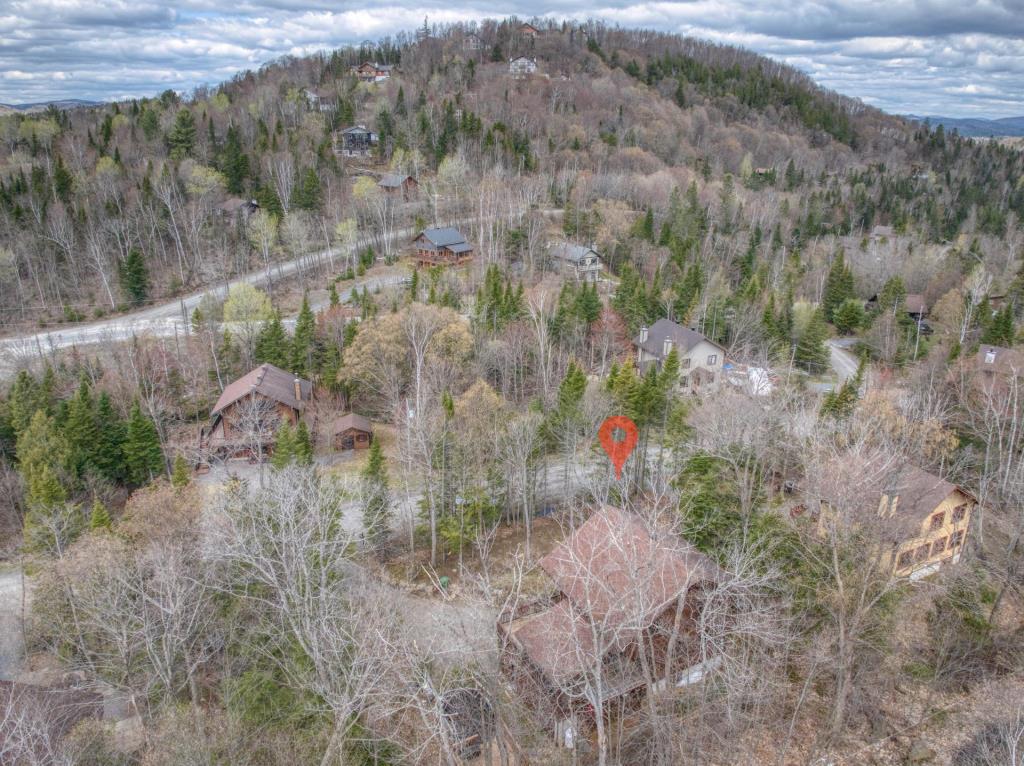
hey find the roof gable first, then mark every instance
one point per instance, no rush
(683, 338)
(443, 237)
(269, 381)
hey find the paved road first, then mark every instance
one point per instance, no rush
(10, 625)
(843, 362)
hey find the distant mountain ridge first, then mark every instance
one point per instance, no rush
(978, 127)
(39, 106)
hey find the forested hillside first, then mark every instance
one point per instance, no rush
(284, 485)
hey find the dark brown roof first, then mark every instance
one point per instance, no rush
(613, 560)
(915, 304)
(352, 420)
(558, 641)
(270, 381)
(683, 338)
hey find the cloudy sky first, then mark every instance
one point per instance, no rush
(949, 57)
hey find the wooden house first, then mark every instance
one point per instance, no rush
(245, 419)
(578, 261)
(920, 519)
(398, 184)
(351, 431)
(472, 42)
(522, 66)
(236, 206)
(371, 71)
(700, 359)
(529, 30)
(626, 603)
(321, 100)
(355, 141)
(441, 247)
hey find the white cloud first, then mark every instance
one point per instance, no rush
(922, 56)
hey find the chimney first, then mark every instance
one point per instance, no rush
(643, 334)
(667, 348)
(298, 390)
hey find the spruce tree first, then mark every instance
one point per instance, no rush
(234, 162)
(302, 341)
(306, 194)
(332, 293)
(303, 445)
(81, 429)
(838, 286)
(43, 458)
(143, 456)
(99, 519)
(182, 138)
(108, 455)
(999, 331)
(284, 446)
(181, 475)
(376, 498)
(134, 277)
(272, 346)
(811, 353)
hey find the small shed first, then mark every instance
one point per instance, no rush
(351, 431)
(398, 184)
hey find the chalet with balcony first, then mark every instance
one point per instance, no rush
(529, 31)
(245, 419)
(441, 247)
(356, 141)
(700, 359)
(371, 71)
(621, 618)
(577, 261)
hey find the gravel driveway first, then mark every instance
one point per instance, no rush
(10, 625)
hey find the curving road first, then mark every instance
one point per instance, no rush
(165, 319)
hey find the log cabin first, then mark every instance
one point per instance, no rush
(441, 247)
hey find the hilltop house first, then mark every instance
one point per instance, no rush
(371, 71)
(441, 247)
(244, 421)
(583, 263)
(700, 359)
(622, 618)
(472, 42)
(398, 184)
(522, 66)
(529, 30)
(321, 100)
(356, 141)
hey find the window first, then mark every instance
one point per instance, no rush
(684, 381)
(957, 540)
(685, 365)
(712, 359)
(904, 560)
(938, 520)
(959, 513)
(938, 546)
(990, 357)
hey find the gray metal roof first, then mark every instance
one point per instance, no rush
(394, 180)
(682, 338)
(572, 253)
(445, 237)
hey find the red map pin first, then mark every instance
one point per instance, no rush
(618, 436)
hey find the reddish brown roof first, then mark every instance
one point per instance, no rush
(614, 569)
(557, 641)
(352, 420)
(915, 304)
(269, 381)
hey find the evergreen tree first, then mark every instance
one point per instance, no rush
(303, 445)
(182, 138)
(234, 162)
(81, 429)
(838, 286)
(99, 519)
(999, 331)
(811, 353)
(849, 316)
(306, 194)
(109, 455)
(332, 294)
(302, 341)
(143, 455)
(181, 475)
(43, 458)
(284, 446)
(134, 277)
(272, 346)
(63, 181)
(376, 498)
